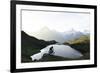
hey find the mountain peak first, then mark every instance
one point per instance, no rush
(45, 29)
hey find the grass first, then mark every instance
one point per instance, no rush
(28, 51)
(82, 45)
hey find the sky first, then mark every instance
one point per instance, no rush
(33, 21)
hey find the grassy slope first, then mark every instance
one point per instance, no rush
(81, 44)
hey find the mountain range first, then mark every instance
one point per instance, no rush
(47, 34)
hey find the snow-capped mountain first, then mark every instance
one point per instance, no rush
(72, 34)
(46, 34)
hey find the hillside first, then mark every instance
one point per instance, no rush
(31, 45)
(81, 44)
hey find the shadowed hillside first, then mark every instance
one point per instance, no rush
(31, 45)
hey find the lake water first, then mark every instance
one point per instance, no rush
(59, 50)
